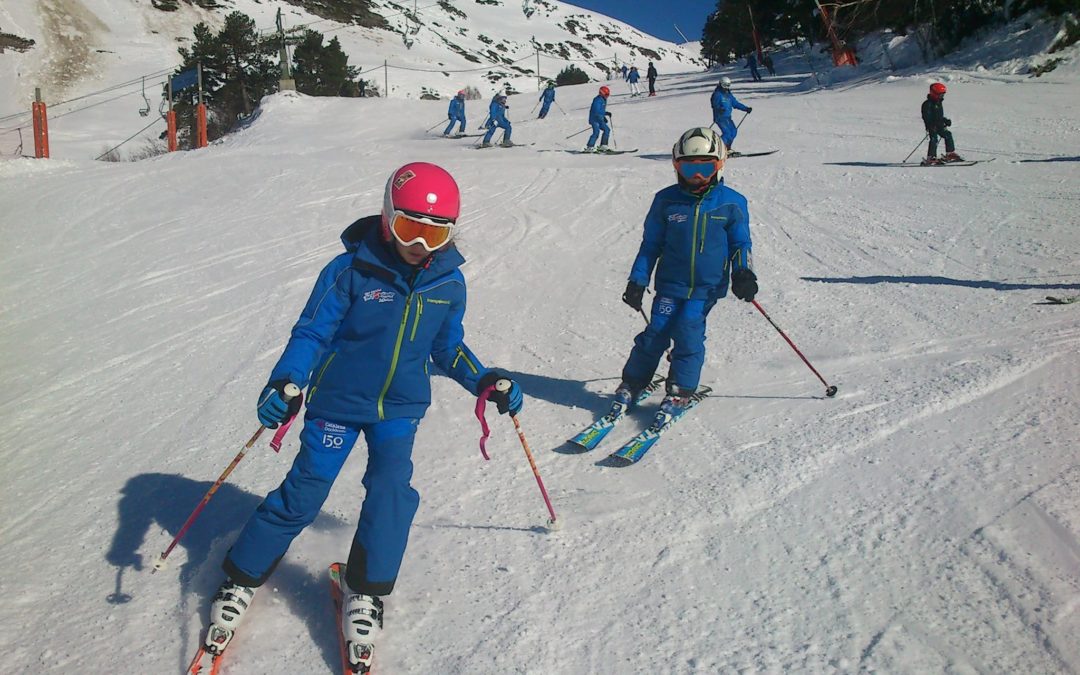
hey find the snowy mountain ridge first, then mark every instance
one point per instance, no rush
(81, 45)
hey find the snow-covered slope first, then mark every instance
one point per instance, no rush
(927, 519)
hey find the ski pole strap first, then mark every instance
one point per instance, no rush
(275, 443)
(481, 405)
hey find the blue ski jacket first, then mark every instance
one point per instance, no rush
(364, 340)
(698, 241)
(596, 112)
(634, 76)
(723, 102)
(456, 109)
(548, 95)
(496, 111)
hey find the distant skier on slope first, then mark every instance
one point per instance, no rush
(633, 79)
(695, 231)
(456, 113)
(933, 117)
(723, 104)
(598, 120)
(651, 74)
(366, 374)
(497, 120)
(751, 63)
(547, 97)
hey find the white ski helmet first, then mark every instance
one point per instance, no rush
(725, 82)
(698, 146)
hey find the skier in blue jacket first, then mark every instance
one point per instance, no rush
(456, 113)
(633, 78)
(598, 120)
(697, 235)
(497, 120)
(723, 104)
(380, 313)
(547, 97)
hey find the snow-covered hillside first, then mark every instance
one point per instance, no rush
(82, 46)
(927, 519)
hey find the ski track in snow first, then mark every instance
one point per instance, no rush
(926, 519)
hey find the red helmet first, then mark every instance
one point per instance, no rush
(421, 191)
(937, 90)
(605, 92)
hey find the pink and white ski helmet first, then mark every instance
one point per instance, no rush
(421, 190)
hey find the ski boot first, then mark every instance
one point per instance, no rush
(676, 400)
(952, 157)
(226, 614)
(603, 148)
(931, 161)
(485, 144)
(507, 144)
(361, 625)
(588, 148)
(627, 392)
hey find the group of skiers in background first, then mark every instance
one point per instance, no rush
(367, 375)
(632, 77)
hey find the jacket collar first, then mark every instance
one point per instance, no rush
(373, 255)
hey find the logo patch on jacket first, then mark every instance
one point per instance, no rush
(379, 295)
(678, 218)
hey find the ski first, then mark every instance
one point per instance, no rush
(733, 154)
(206, 662)
(337, 575)
(965, 162)
(635, 448)
(591, 436)
(500, 145)
(605, 152)
(1062, 300)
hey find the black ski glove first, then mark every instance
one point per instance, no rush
(749, 109)
(948, 122)
(633, 295)
(744, 284)
(509, 401)
(607, 115)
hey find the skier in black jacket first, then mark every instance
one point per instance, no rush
(933, 117)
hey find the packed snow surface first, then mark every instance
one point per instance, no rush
(926, 519)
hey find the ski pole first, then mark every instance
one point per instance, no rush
(830, 390)
(925, 136)
(291, 392)
(534, 107)
(744, 116)
(560, 108)
(437, 124)
(504, 386)
(578, 133)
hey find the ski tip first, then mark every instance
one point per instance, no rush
(615, 462)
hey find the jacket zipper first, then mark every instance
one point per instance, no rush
(419, 313)
(693, 249)
(318, 378)
(397, 354)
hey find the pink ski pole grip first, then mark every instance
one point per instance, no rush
(481, 404)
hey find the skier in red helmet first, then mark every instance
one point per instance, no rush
(933, 116)
(598, 120)
(378, 314)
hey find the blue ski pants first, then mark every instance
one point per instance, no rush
(727, 129)
(453, 120)
(544, 109)
(497, 124)
(597, 127)
(678, 321)
(390, 502)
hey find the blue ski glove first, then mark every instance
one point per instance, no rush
(744, 284)
(272, 408)
(509, 401)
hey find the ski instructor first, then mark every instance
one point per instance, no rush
(696, 234)
(378, 314)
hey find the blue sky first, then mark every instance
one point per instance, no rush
(655, 17)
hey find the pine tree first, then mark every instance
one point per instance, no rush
(323, 70)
